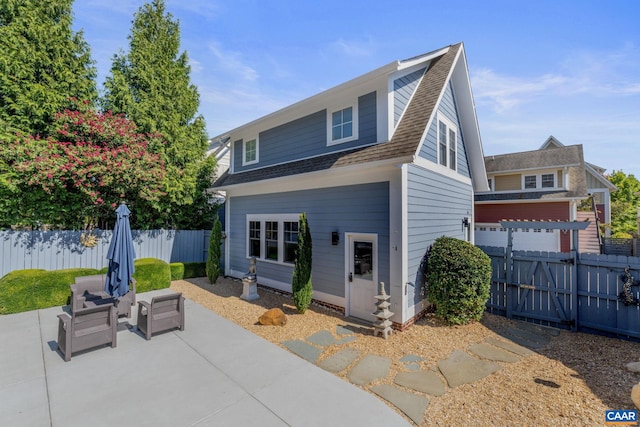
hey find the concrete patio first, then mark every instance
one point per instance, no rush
(215, 373)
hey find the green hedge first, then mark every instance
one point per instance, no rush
(187, 270)
(151, 274)
(26, 290)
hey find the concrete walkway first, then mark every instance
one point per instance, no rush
(410, 391)
(215, 373)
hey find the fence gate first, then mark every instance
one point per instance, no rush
(541, 285)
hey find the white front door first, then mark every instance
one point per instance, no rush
(362, 274)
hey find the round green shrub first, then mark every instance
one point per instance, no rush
(458, 280)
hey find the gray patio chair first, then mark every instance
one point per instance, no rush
(164, 313)
(87, 328)
(88, 291)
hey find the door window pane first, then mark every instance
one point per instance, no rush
(363, 260)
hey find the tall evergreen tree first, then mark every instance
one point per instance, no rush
(302, 287)
(151, 85)
(43, 64)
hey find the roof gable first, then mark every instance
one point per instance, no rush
(405, 142)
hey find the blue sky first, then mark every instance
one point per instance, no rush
(570, 69)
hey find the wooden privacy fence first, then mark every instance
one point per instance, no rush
(567, 290)
(55, 250)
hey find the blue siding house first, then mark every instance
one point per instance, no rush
(382, 165)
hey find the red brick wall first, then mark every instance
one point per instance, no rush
(552, 211)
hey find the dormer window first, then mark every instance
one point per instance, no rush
(343, 125)
(249, 152)
(548, 180)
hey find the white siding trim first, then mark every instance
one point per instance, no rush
(350, 175)
(405, 242)
(397, 210)
(442, 170)
(227, 231)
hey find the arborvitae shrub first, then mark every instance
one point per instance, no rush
(301, 287)
(213, 259)
(458, 280)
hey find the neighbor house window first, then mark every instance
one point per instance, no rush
(278, 242)
(447, 142)
(548, 180)
(250, 152)
(545, 180)
(343, 125)
(530, 181)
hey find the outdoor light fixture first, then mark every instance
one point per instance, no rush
(335, 238)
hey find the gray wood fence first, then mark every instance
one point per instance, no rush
(567, 290)
(55, 250)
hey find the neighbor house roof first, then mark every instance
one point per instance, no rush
(570, 157)
(402, 146)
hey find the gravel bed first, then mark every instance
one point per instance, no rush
(571, 381)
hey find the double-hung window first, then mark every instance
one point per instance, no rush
(279, 240)
(250, 152)
(545, 180)
(342, 125)
(254, 239)
(447, 143)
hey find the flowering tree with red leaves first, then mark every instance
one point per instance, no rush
(74, 179)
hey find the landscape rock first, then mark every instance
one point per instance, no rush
(635, 395)
(633, 366)
(274, 316)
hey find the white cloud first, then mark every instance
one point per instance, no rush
(232, 62)
(354, 48)
(597, 74)
(196, 66)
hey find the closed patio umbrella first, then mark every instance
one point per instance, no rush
(120, 255)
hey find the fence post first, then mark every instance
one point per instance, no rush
(575, 257)
(509, 275)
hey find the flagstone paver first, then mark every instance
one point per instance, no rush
(424, 381)
(340, 361)
(461, 368)
(346, 340)
(304, 350)
(510, 346)
(491, 352)
(411, 358)
(411, 404)
(368, 369)
(341, 330)
(322, 338)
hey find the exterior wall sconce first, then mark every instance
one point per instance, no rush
(335, 238)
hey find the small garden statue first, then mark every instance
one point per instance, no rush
(250, 282)
(626, 296)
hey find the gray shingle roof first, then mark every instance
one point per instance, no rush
(570, 156)
(404, 142)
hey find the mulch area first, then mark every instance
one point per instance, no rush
(571, 381)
